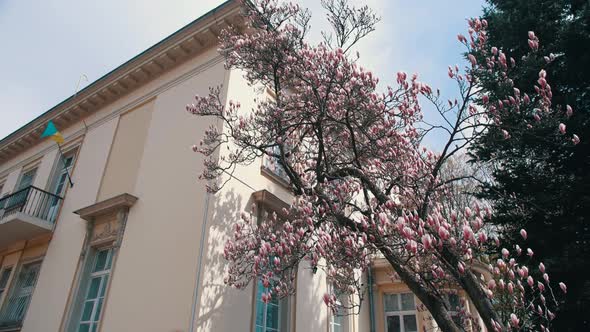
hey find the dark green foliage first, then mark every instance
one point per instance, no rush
(542, 180)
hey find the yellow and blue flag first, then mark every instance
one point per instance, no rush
(52, 132)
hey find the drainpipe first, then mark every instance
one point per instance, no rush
(199, 265)
(371, 302)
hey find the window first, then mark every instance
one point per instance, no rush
(400, 312)
(96, 282)
(455, 309)
(2, 200)
(20, 196)
(26, 179)
(4, 276)
(271, 164)
(272, 316)
(64, 169)
(60, 183)
(339, 319)
(15, 308)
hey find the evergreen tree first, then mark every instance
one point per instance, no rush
(545, 187)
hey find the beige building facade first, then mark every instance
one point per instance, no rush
(136, 243)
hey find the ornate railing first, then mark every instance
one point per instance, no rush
(32, 201)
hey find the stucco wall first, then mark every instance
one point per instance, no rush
(58, 268)
(152, 282)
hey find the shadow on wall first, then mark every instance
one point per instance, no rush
(221, 307)
(312, 293)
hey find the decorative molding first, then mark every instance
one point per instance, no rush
(108, 233)
(111, 205)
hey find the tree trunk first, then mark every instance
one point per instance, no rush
(433, 303)
(471, 286)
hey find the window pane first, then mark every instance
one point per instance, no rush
(87, 312)
(27, 179)
(259, 304)
(30, 275)
(84, 328)
(93, 289)
(98, 310)
(103, 288)
(68, 162)
(408, 301)
(410, 323)
(272, 316)
(393, 324)
(259, 313)
(4, 278)
(101, 260)
(391, 303)
(337, 323)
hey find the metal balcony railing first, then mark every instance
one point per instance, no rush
(31, 201)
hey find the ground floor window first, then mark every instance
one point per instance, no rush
(339, 319)
(400, 312)
(272, 316)
(15, 308)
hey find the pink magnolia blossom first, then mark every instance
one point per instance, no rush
(514, 321)
(352, 156)
(575, 139)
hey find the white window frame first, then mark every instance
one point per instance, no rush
(401, 313)
(105, 278)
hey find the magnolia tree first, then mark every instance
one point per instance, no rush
(363, 184)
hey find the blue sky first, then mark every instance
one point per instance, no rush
(47, 45)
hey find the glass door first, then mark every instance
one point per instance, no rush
(60, 183)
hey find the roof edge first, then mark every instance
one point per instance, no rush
(150, 54)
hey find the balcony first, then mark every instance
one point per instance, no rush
(27, 213)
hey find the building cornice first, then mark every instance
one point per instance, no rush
(186, 43)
